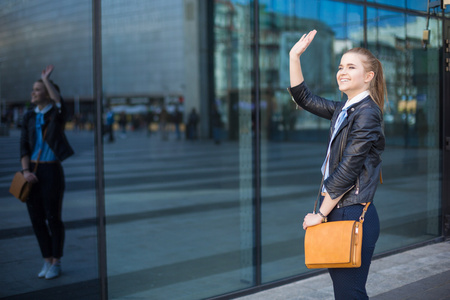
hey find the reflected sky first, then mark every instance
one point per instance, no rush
(344, 19)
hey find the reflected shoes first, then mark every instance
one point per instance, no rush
(50, 271)
(53, 272)
(44, 270)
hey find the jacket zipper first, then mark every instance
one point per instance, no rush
(357, 185)
(355, 246)
(340, 204)
(341, 150)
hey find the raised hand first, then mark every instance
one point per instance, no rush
(295, 69)
(52, 91)
(302, 44)
(47, 71)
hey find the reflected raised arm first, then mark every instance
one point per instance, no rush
(52, 91)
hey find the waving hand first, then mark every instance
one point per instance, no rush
(302, 44)
(295, 69)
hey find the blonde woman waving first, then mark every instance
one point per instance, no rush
(352, 163)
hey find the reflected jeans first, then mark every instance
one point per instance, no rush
(44, 208)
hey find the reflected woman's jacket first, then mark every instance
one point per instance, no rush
(54, 120)
(355, 153)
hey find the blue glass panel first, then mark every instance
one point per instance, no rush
(411, 125)
(417, 4)
(397, 3)
(293, 140)
(179, 196)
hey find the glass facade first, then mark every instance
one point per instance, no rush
(201, 161)
(189, 195)
(33, 35)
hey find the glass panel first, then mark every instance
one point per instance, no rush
(32, 35)
(422, 6)
(417, 4)
(408, 201)
(294, 141)
(398, 3)
(178, 184)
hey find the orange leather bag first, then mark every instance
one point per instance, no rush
(334, 244)
(20, 187)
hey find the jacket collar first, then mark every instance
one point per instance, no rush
(350, 110)
(44, 110)
(358, 98)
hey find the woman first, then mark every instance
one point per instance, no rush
(43, 139)
(352, 166)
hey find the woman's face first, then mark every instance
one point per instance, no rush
(351, 76)
(39, 94)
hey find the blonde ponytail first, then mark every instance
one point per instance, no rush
(377, 87)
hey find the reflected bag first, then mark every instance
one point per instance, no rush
(335, 244)
(20, 187)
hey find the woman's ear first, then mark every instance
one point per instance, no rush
(369, 76)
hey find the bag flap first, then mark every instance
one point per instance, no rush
(18, 184)
(329, 242)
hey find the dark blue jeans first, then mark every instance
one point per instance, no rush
(350, 283)
(44, 207)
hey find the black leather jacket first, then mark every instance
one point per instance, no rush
(55, 120)
(355, 153)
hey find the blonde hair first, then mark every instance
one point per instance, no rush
(377, 87)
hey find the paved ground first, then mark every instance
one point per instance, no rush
(422, 274)
(179, 221)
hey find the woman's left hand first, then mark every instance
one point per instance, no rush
(303, 43)
(311, 220)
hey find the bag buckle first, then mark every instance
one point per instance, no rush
(361, 218)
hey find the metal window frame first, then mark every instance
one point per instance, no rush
(445, 119)
(99, 166)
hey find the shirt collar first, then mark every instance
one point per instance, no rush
(356, 99)
(44, 110)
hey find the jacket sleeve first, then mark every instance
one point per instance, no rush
(61, 111)
(319, 106)
(56, 137)
(364, 133)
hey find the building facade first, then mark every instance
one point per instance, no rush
(200, 192)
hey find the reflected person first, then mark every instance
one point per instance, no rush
(163, 119)
(193, 120)
(352, 165)
(217, 124)
(110, 125)
(43, 139)
(177, 120)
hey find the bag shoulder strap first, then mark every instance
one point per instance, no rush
(361, 218)
(318, 195)
(40, 150)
